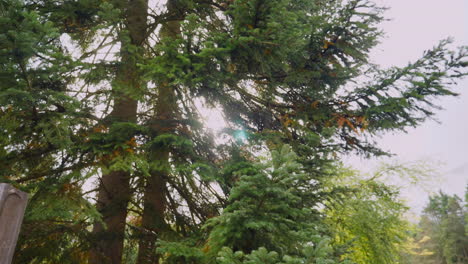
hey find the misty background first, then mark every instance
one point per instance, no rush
(441, 144)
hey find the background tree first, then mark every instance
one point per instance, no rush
(442, 224)
(367, 219)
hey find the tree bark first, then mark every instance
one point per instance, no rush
(114, 191)
(155, 203)
(153, 222)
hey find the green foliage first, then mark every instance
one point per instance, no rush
(443, 224)
(37, 118)
(367, 218)
(318, 254)
(268, 219)
(266, 208)
(181, 252)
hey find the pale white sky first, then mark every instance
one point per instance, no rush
(418, 25)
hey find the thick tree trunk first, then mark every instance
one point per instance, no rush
(114, 190)
(155, 192)
(153, 219)
(113, 197)
(154, 203)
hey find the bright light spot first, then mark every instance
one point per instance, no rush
(240, 135)
(213, 119)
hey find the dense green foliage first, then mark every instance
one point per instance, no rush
(368, 218)
(101, 121)
(441, 232)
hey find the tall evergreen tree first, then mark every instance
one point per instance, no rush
(100, 99)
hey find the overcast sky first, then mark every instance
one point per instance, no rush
(418, 25)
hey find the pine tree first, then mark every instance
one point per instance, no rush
(271, 217)
(100, 99)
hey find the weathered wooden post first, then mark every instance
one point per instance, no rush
(12, 205)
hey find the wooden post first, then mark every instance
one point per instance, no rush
(12, 206)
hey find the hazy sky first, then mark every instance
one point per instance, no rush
(418, 25)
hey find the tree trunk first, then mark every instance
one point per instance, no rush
(153, 221)
(114, 190)
(166, 108)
